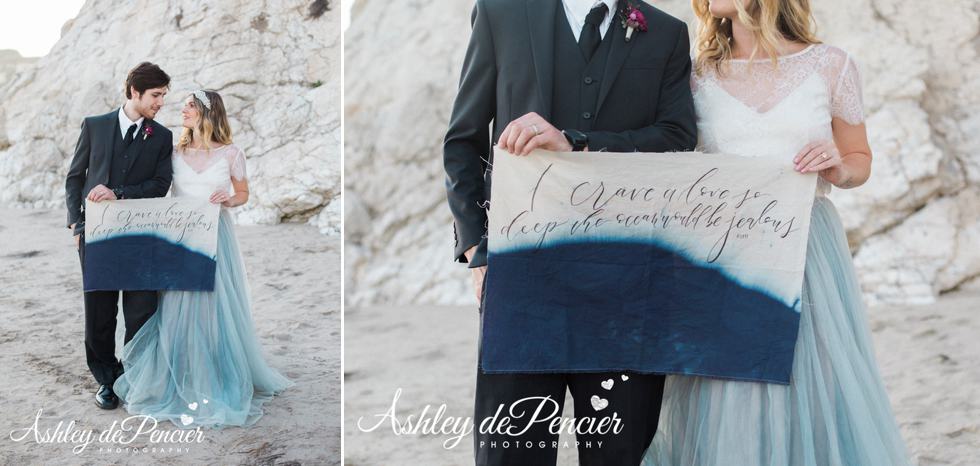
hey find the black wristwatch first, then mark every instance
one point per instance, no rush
(577, 139)
(118, 192)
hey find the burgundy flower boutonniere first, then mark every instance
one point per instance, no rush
(147, 131)
(632, 19)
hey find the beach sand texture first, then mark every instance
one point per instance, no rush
(294, 277)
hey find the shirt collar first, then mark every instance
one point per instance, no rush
(125, 122)
(582, 7)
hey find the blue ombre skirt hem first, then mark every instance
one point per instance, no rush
(197, 361)
(834, 411)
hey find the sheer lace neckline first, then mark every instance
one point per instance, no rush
(204, 149)
(200, 168)
(202, 160)
(780, 57)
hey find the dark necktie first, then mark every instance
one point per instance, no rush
(590, 37)
(129, 134)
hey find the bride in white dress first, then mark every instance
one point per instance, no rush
(197, 361)
(765, 87)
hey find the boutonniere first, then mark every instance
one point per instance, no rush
(632, 19)
(147, 131)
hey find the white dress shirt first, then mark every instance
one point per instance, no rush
(125, 123)
(577, 10)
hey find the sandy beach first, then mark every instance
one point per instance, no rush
(294, 277)
(929, 357)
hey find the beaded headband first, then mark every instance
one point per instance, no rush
(203, 97)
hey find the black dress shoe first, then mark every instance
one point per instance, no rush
(105, 398)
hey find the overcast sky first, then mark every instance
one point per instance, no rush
(32, 27)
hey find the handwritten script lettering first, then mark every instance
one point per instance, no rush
(710, 203)
(173, 218)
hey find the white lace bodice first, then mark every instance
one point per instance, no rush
(199, 173)
(756, 109)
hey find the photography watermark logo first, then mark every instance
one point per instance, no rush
(129, 435)
(513, 420)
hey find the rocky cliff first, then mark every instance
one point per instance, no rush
(12, 64)
(277, 65)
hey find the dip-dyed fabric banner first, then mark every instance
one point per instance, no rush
(682, 263)
(150, 244)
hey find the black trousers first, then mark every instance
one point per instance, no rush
(635, 402)
(101, 308)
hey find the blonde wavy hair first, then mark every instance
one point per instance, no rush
(211, 127)
(769, 20)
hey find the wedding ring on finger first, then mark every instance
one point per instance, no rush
(535, 129)
(824, 156)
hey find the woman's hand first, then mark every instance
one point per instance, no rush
(220, 197)
(241, 193)
(821, 157)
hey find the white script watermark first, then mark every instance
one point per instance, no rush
(514, 420)
(132, 429)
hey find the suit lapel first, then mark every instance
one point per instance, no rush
(541, 25)
(619, 51)
(112, 127)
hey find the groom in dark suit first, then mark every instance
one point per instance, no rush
(563, 75)
(123, 154)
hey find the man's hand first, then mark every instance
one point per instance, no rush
(469, 254)
(530, 132)
(477, 274)
(78, 237)
(101, 193)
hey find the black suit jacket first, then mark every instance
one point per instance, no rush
(149, 174)
(644, 105)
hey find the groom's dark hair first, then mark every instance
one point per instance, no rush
(145, 76)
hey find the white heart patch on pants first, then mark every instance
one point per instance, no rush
(599, 404)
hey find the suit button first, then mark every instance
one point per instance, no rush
(587, 115)
(589, 80)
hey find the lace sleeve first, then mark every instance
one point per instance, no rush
(846, 101)
(238, 165)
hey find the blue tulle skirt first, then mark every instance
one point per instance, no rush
(197, 361)
(835, 410)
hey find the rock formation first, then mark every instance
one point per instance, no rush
(11, 63)
(277, 65)
(914, 228)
